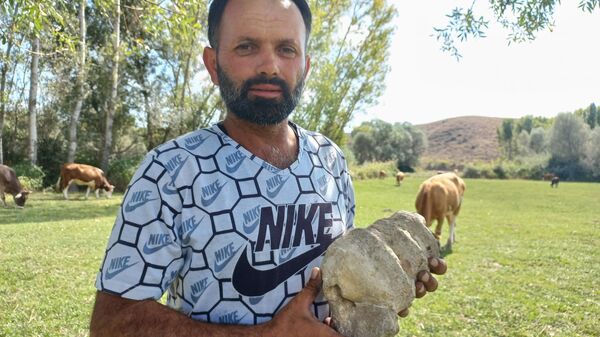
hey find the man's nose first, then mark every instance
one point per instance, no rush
(268, 65)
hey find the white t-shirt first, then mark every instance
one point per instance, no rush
(231, 237)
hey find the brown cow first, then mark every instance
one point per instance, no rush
(548, 176)
(440, 197)
(86, 175)
(399, 178)
(382, 174)
(9, 183)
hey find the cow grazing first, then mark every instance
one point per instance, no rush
(382, 174)
(555, 181)
(9, 183)
(85, 175)
(548, 176)
(441, 197)
(399, 178)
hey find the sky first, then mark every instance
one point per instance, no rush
(557, 72)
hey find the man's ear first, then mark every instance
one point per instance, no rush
(307, 67)
(209, 56)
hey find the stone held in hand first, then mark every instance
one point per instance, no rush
(369, 274)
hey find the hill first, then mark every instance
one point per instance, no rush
(462, 140)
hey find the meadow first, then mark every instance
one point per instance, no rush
(525, 262)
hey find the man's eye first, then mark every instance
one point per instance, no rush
(245, 48)
(288, 51)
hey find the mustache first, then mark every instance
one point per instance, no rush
(264, 80)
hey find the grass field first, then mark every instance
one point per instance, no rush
(526, 261)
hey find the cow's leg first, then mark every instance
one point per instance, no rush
(97, 191)
(451, 234)
(438, 228)
(66, 189)
(87, 192)
(2, 197)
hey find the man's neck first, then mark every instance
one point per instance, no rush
(276, 144)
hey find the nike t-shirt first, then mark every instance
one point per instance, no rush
(229, 236)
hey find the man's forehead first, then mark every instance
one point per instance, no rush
(247, 17)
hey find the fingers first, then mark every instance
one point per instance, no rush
(437, 266)
(312, 287)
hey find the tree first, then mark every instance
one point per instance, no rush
(80, 92)
(591, 116)
(523, 19)
(33, 89)
(568, 138)
(377, 140)
(349, 46)
(112, 105)
(537, 140)
(505, 137)
(594, 152)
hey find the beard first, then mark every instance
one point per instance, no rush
(259, 110)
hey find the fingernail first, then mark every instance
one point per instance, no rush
(434, 262)
(425, 277)
(314, 273)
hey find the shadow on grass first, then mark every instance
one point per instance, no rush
(52, 207)
(445, 251)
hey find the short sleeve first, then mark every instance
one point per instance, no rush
(143, 254)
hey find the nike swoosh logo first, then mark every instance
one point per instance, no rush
(323, 188)
(178, 169)
(235, 167)
(197, 144)
(218, 267)
(269, 279)
(209, 201)
(275, 192)
(186, 237)
(130, 208)
(110, 275)
(151, 250)
(240, 319)
(196, 297)
(168, 190)
(248, 229)
(286, 256)
(255, 300)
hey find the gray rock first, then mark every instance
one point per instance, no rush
(369, 274)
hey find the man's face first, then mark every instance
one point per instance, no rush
(260, 64)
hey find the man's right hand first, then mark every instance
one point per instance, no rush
(297, 318)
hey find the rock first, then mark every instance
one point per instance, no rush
(369, 274)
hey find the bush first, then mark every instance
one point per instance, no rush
(120, 172)
(371, 170)
(30, 176)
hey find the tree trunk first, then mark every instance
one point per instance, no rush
(33, 88)
(110, 114)
(3, 72)
(149, 117)
(79, 87)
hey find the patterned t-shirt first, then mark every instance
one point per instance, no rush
(229, 236)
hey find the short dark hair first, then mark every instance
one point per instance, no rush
(217, 7)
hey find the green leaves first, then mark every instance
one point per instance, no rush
(522, 18)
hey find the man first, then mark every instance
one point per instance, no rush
(233, 220)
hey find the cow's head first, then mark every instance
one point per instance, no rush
(21, 198)
(108, 190)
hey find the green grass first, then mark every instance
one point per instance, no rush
(525, 262)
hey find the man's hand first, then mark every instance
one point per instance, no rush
(297, 318)
(425, 282)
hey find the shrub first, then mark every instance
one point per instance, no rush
(120, 171)
(30, 176)
(371, 170)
